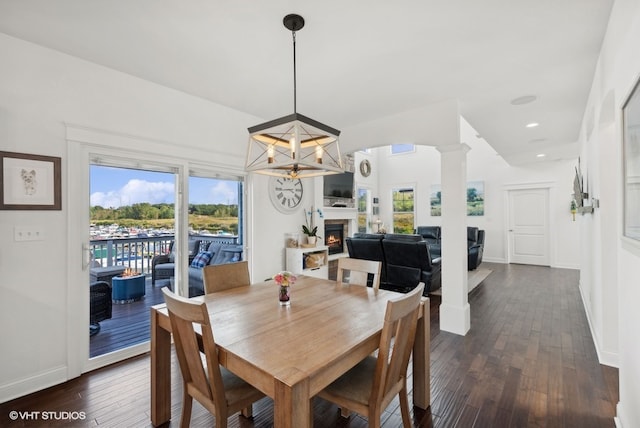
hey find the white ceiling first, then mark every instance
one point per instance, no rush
(357, 60)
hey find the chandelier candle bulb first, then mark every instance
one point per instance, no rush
(270, 153)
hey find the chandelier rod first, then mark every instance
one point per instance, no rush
(295, 86)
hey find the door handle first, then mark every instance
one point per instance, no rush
(86, 256)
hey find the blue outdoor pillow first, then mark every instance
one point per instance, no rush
(201, 259)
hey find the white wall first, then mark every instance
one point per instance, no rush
(611, 263)
(422, 169)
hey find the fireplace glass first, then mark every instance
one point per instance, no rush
(334, 238)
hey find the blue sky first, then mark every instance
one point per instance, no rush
(114, 187)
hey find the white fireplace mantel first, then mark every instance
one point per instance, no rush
(330, 213)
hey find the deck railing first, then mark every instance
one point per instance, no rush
(137, 253)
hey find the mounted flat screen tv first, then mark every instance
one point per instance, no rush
(339, 185)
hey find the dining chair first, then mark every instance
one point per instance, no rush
(371, 385)
(359, 271)
(225, 276)
(221, 392)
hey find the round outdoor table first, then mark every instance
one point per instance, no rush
(127, 289)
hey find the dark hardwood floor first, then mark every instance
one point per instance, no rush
(528, 361)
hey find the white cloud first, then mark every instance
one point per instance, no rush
(224, 192)
(135, 192)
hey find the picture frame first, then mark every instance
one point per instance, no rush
(30, 182)
(475, 199)
(631, 162)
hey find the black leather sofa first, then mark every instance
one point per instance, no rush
(405, 260)
(475, 243)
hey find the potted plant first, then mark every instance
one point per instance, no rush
(308, 227)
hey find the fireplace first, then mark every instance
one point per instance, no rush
(334, 237)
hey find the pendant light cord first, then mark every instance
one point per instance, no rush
(295, 107)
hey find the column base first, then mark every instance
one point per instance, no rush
(455, 319)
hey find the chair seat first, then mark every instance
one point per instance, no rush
(356, 384)
(236, 389)
(165, 267)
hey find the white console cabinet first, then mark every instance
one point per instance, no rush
(309, 261)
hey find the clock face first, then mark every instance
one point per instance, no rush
(285, 193)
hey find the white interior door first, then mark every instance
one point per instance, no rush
(529, 226)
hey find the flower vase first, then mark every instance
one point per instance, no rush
(284, 296)
(311, 240)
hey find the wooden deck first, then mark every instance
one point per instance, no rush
(129, 323)
(527, 361)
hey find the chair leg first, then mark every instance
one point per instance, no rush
(373, 418)
(187, 404)
(344, 412)
(404, 407)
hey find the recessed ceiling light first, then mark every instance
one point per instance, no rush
(532, 124)
(526, 99)
(540, 155)
(537, 140)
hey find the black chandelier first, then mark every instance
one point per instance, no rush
(294, 146)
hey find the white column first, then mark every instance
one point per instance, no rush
(454, 310)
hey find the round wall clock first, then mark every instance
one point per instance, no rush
(285, 193)
(365, 168)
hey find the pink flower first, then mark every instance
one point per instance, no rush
(284, 278)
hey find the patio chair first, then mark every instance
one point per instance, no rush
(221, 392)
(100, 305)
(163, 266)
(372, 384)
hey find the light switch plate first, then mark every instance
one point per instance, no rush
(31, 233)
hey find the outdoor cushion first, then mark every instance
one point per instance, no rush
(201, 259)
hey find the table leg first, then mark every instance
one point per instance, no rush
(422, 359)
(160, 372)
(292, 405)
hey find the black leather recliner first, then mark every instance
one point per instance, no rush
(431, 234)
(405, 262)
(475, 243)
(409, 263)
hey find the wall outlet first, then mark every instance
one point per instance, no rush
(32, 233)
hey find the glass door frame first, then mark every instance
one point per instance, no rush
(82, 146)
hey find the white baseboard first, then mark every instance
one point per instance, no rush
(37, 382)
(493, 260)
(606, 358)
(616, 419)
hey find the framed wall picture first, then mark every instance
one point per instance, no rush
(475, 199)
(30, 182)
(631, 153)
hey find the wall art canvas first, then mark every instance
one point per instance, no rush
(475, 199)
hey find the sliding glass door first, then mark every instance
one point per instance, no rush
(132, 244)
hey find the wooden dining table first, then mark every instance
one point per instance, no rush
(290, 353)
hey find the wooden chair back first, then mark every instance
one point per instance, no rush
(359, 271)
(201, 382)
(370, 386)
(225, 276)
(400, 324)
